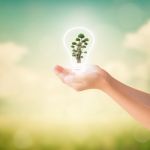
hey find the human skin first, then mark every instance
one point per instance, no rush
(135, 102)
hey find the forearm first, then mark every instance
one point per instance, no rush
(136, 102)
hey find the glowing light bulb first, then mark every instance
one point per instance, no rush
(78, 42)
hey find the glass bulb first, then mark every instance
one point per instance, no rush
(78, 42)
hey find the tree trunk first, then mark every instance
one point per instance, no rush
(78, 60)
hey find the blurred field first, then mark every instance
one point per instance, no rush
(47, 136)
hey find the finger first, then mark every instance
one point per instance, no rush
(61, 72)
(59, 69)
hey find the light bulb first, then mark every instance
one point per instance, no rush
(78, 42)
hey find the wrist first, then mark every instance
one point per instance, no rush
(104, 81)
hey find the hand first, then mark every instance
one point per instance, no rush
(93, 77)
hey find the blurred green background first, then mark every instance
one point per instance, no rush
(37, 111)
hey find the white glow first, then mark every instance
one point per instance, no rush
(70, 36)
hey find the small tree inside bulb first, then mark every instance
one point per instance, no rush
(78, 42)
(79, 47)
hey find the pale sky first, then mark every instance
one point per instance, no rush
(31, 44)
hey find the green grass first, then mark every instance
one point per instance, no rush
(22, 138)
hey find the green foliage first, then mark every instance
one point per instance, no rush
(77, 39)
(81, 36)
(79, 46)
(55, 139)
(74, 43)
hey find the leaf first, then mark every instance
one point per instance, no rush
(74, 43)
(86, 39)
(77, 39)
(81, 35)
